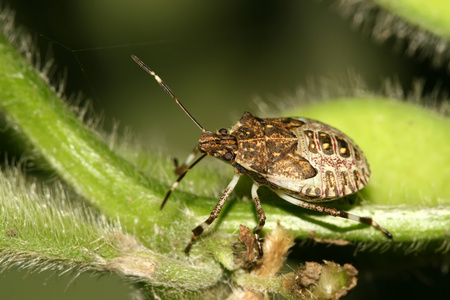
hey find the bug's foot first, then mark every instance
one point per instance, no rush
(178, 170)
(186, 250)
(384, 231)
(259, 246)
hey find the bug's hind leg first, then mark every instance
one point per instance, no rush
(261, 217)
(215, 212)
(333, 212)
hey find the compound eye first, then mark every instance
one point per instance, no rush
(223, 131)
(228, 156)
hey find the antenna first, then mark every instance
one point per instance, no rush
(166, 88)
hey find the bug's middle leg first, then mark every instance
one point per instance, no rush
(261, 217)
(215, 212)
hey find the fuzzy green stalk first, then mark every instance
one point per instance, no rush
(429, 15)
(406, 146)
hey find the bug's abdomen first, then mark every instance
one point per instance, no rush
(341, 166)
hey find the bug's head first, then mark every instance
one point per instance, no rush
(221, 144)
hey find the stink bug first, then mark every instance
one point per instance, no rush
(302, 160)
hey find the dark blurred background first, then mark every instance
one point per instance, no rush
(217, 56)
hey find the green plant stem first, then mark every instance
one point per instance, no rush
(71, 149)
(119, 192)
(113, 185)
(104, 179)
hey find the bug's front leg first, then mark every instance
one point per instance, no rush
(200, 228)
(175, 184)
(261, 217)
